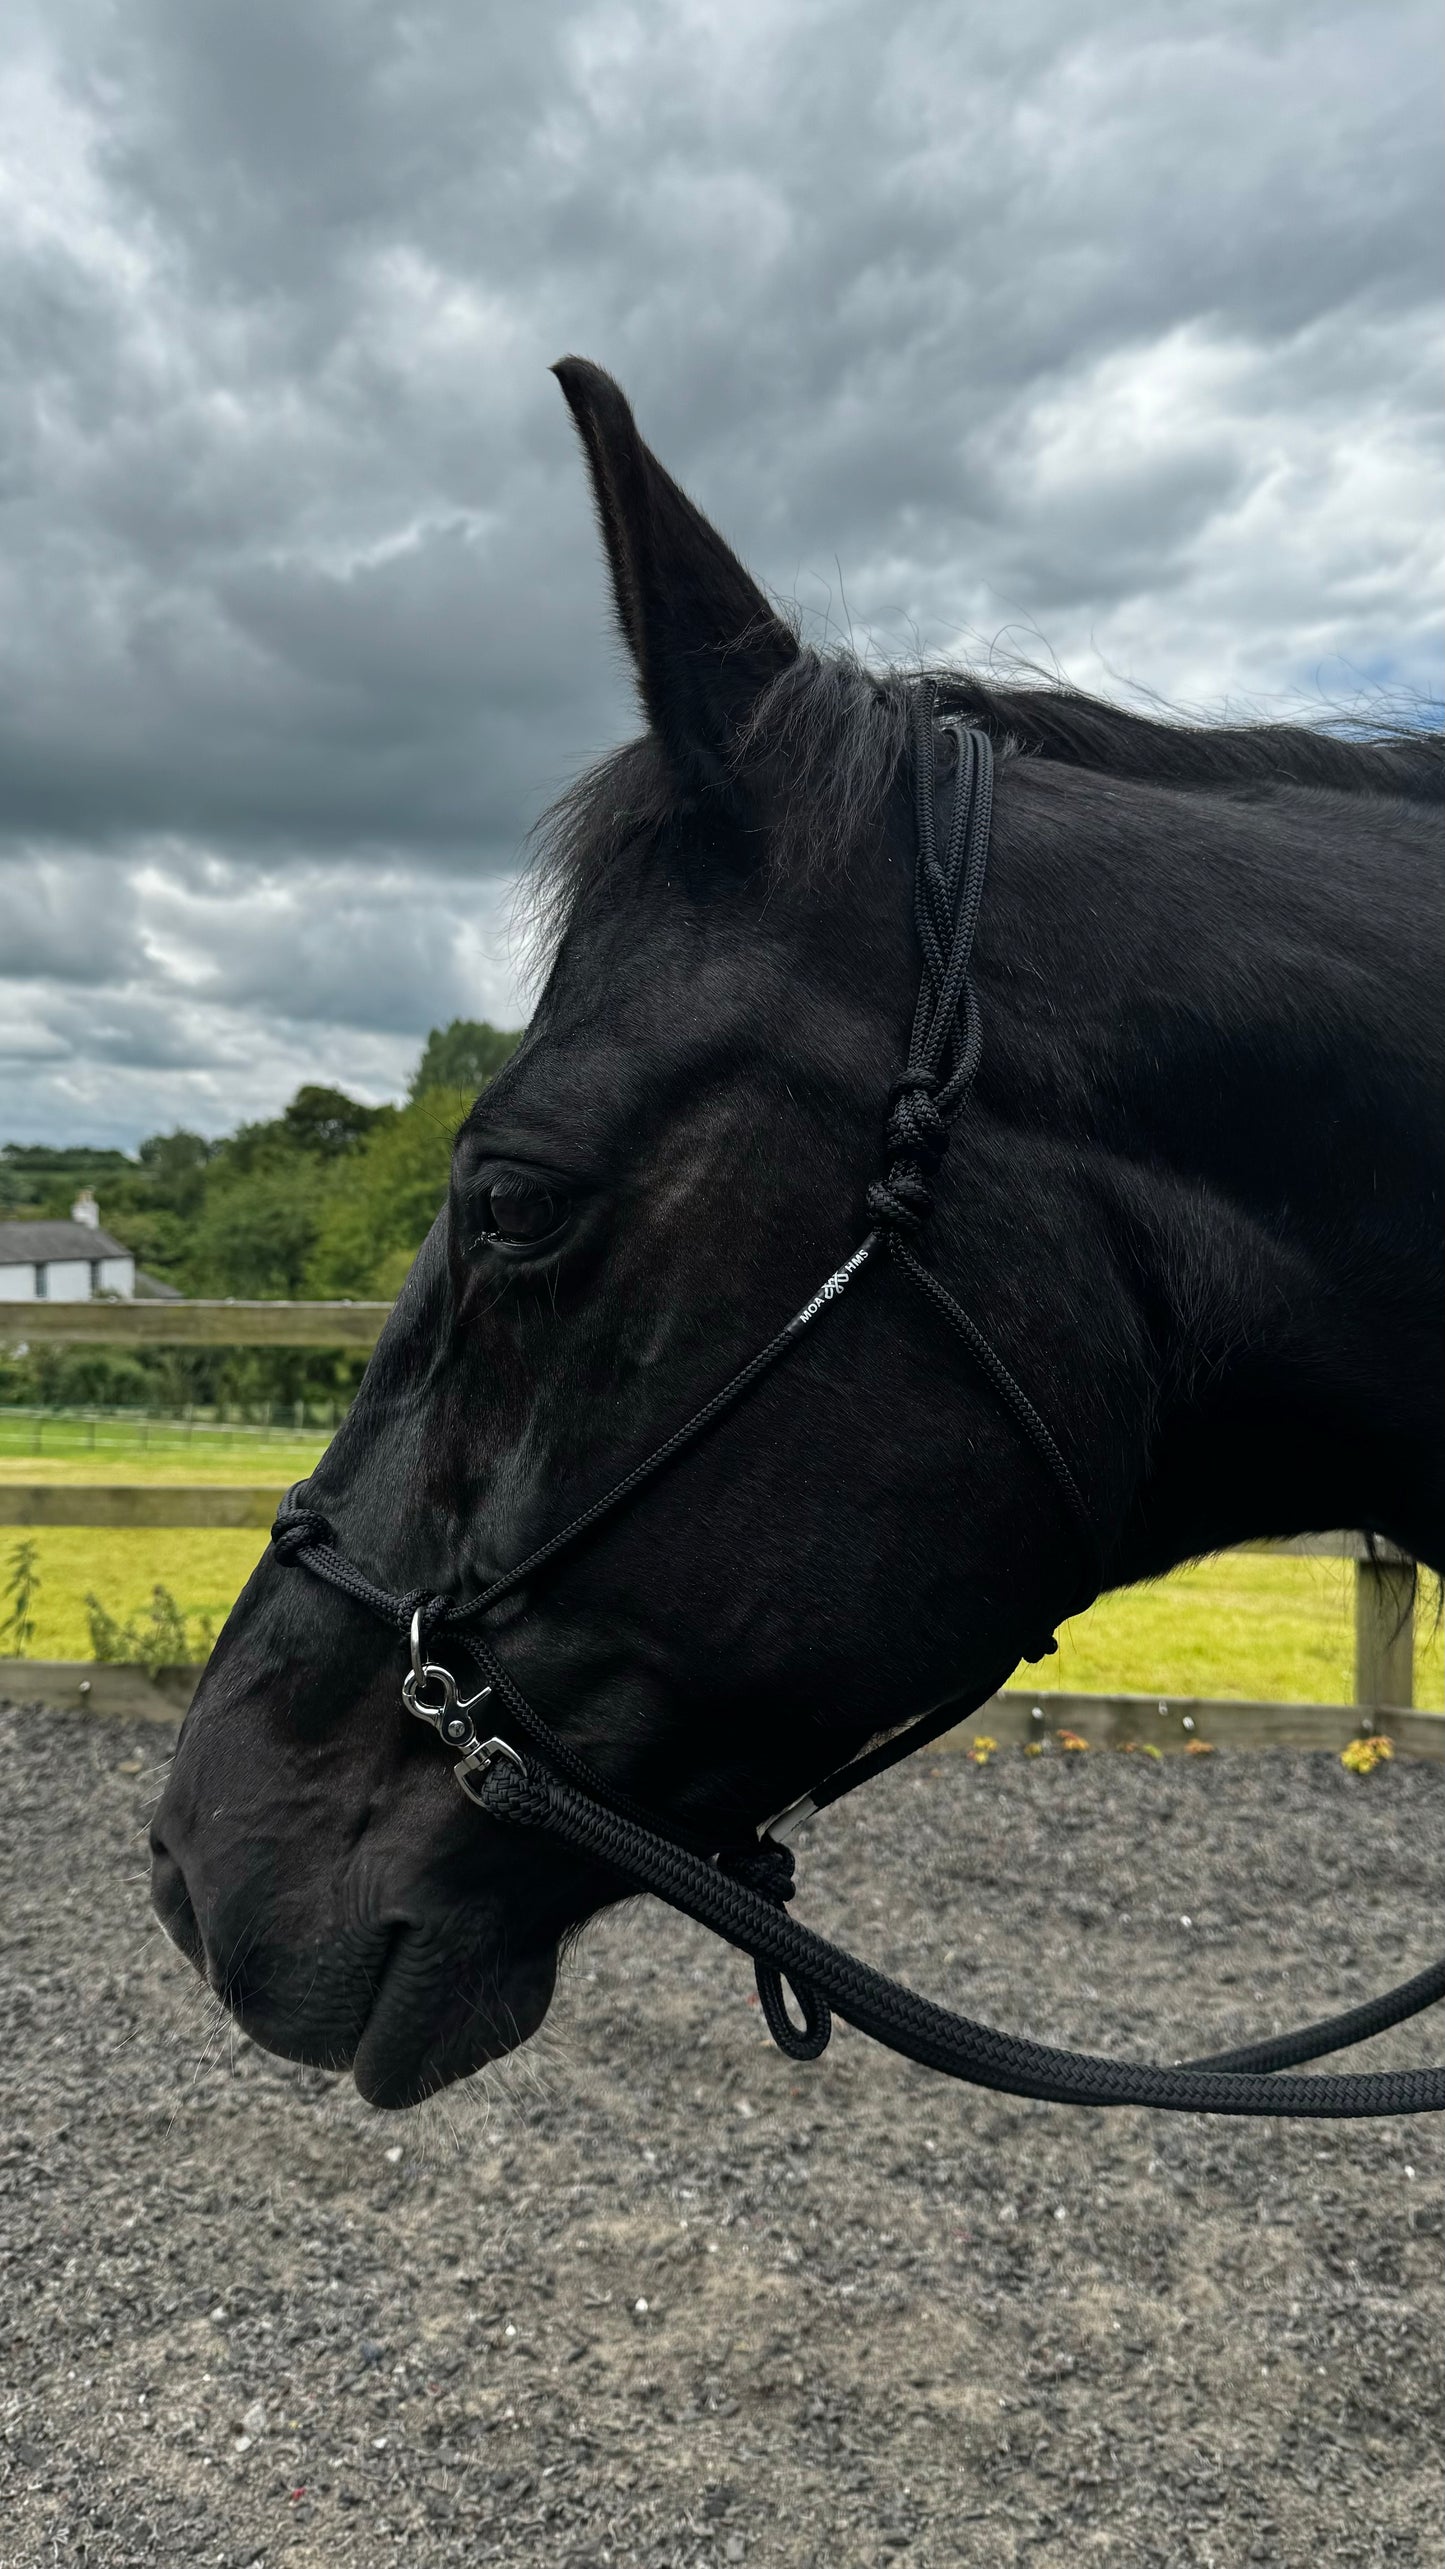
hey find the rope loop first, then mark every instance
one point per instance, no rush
(767, 1867)
(805, 2042)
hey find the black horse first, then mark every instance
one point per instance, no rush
(1195, 1202)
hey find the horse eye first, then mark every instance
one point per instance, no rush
(520, 1211)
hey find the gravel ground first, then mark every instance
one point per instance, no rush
(653, 2295)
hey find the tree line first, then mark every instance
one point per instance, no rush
(328, 1200)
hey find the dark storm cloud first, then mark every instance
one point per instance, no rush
(1107, 335)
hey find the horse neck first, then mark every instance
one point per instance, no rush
(1246, 1044)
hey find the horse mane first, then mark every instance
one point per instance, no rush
(828, 733)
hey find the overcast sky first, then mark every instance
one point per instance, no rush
(1108, 334)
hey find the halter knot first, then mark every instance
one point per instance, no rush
(297, 1529)
(915, 1128)
(432, 1611)
(917, 1137)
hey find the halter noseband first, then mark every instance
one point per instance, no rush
(740, 1892)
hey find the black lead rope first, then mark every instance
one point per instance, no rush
(741, 1892)
(1238, 2082)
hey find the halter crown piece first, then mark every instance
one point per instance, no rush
(535, 1779)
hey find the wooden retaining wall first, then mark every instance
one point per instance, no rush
(1174, 1725)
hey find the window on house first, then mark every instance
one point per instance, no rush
(42, 1284)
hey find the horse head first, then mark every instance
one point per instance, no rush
(676, 1155)
(681, 1149)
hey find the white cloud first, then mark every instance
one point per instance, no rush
(186, 988)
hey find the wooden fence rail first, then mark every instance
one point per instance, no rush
(1384, 1600)
(353, 1325)
(147, 1503)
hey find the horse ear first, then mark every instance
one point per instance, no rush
(703, 638)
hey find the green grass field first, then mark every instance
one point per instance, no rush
(1244, 1624)
(204, 1571)
(1257, 1628)
(115, 1449)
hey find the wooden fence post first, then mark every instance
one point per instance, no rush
(1384, 1633)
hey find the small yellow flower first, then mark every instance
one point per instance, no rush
(1033, 1748)
(1070, 1740)
(1364, 1755)
(1200, 1748)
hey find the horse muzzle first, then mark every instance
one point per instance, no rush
(408, 2000)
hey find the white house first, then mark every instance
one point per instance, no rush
(64, 1261)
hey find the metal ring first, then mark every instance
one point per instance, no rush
(418, 1664)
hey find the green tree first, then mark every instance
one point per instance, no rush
(257, 1229)
(37, 1181)
(267, 1192)
(378, 1216)
(331, 1197)
(329, 1123)
(319, 1124)
(174, 1168)
(463, 1055)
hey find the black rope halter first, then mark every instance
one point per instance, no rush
(741, 1892)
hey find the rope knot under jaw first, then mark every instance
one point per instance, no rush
(297, 1529)
(764, 1865)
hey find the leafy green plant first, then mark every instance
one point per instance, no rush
(17, 1632)
(161, 1639)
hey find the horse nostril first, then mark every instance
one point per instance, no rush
(171, 1902)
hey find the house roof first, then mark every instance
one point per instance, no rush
(28, 1244)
